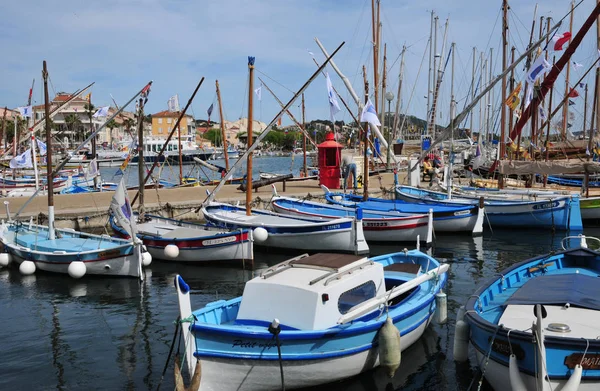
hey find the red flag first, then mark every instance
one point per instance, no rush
(573, 93)
(279, 122)
(560, 39)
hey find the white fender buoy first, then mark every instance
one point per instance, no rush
(461, 341)
(171, 251)
(516, 381)
(575, 379)
(5, 259)
(389, 347)
(27, 268)
(147, 258)
(441, 307)
(260, 234)
(77, 269)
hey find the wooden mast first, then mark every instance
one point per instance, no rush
(398, 99)
(249, 134)
(567, 88)
(502, 104)
(382, 114)
(304, 137)
(473, 69)
(375, 22)
(141, 165)
(50, 184)
(366, 140)
(223, 132)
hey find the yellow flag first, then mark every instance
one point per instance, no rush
(513, 99)
(88, 97)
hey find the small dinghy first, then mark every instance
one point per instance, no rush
(312, 320)
(534, 325)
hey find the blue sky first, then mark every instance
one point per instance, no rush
(122, 44)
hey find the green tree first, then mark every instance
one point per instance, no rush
(111, 125)
(89, 110)
(213, 135)
(72, 122)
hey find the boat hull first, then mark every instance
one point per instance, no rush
(590, 208)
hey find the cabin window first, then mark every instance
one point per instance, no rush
(355, 296)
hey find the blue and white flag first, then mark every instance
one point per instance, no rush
(25, 111)
(22, 161)
(209, 111)
(41, 146)
(334, 106)
(537, 68)
(478, 158)
(173, 103)
(121, 209)
(102, 112)
(369, 114)
(542, 112)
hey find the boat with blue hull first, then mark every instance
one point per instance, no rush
(559, 212)
(446, 218)
(312, 320)
(274, 230)
(377, 226)
(534, 326)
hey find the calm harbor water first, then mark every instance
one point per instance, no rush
(59, 333)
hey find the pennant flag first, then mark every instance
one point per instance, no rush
(41, 146)
(529, 95)
(209, 111)
(542, 113)
(513, 99)
(334, 106)
(88, 97)
(571, 103)
(537, 68)
(569, 125)
(121, 169)
(577, 65)
(102, 112)
(173, 103)
(25, 111)
(560, 39)
(573, 93)
(22, 161)
(369, 114)
(92, 170)
(121, 209)
(279, 122)
(258, 93)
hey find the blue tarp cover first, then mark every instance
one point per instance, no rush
(576, 289)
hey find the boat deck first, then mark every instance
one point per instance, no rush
(67, 244)
(333, 262)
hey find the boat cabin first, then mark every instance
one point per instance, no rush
(311, 292)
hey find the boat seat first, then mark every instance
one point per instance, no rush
(410, 268)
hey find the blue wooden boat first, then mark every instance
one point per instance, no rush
(446, 218)
(311, 320)
(534, 325)
(560, 212)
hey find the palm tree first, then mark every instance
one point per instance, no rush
(89, 110)
(111, 125)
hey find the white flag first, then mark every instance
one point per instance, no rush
(369, 114)
(334, 106)
(102, 112)
(258, 93)
(25, 111)
(577, 65)
(92, 170)
(121, 210)
(537, 68)
(528, 95)
(311, 53)
(22, 161)
(173, 103)
(41, 146)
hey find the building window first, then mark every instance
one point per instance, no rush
(159, 130)
(355, 296)
(160, 120)
(168, 120)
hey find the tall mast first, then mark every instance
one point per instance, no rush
(398, 96)
(250, 136)
(473, 89)
(429, 87)
(502, 140)
(375, 22)
(567, 88)
(48, 156)
(490, 98)
(434, 78)
(366, 138)
(141, 159)
(180, 156)
(382, 114)
(304, 137)
(452, 124)
(223, 132)
(482, 101)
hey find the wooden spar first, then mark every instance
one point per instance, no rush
(304, 138)
(157, 158)
(567, 85)
(375, 26)
(512, 88)
(366, 143)
(547, 145)
(212, 195)
(554, 72)
(249, 135)
(502, 143)
(264, 182)
(383, 86)
(473, 103)
(223, 132)
(585, 102)
(302, 129)
(141, 159)
(50, 184)
(398, 99)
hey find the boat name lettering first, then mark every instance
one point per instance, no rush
(212, 242)
(546, 205)
(375, 224)
(591, 361)
(503, 348)
(240, 343)
(108, 254)
(334, 226)
(462, 212)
